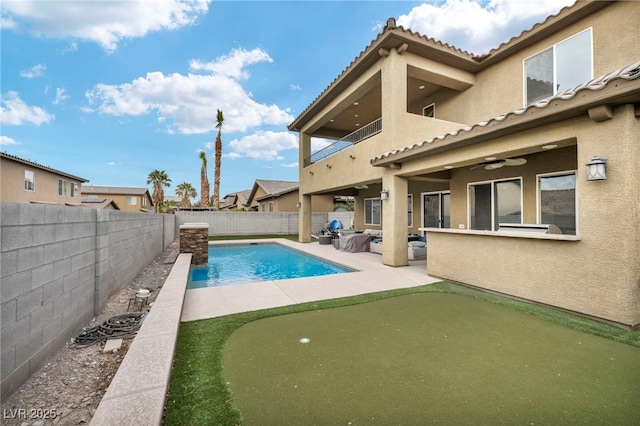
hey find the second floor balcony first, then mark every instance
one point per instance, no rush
(347, 141)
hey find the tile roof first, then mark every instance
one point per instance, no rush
(628, 73)
(114, 190)
(392, 34)
(277, 187)
(40, 166)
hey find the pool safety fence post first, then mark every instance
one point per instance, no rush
(194, 238)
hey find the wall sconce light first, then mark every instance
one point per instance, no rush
(384, 194)
(298, 204)
(597, 168)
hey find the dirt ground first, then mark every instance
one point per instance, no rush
(68, 389)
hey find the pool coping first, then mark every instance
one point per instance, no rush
(137, 394)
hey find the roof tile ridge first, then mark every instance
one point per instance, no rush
(630, 72)
(436, 41)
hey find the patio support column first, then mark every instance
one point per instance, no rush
(304, 212)
(394, 220)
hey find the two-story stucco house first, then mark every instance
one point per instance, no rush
(521, 166)
(25, 181)
(128, 199)
(282, 196)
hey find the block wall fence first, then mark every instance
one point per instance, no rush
(60, 265)
(58, 268)
(223, 223)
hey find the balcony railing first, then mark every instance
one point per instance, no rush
(351, 139)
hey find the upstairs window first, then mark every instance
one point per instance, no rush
(562, 66)
(62, 187)
(429, 111)
(29, 181)
(132, 200)
(144, 201)
(74, 189)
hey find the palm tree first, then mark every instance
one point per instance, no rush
(168, 206)
(186, 191)
(216, 178)
(159, 179)
(204, 181)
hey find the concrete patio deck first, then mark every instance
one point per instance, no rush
(370, 276)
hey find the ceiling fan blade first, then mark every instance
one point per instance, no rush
(515, 161)
(494, 166)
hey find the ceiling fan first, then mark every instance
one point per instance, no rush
(493, 163)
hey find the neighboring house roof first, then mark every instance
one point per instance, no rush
(273, 188)
(617, 87)
(99, 203)
(396, 37)
(236, 199)
(114, 190)
(40, 166)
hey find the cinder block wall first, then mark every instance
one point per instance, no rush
(255, 223)
(58, 267)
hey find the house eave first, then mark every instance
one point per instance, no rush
(613, 89)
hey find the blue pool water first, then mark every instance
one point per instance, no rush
(245, 263)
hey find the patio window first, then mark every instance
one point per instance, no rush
(410, 210)
(495, 202)
(562, 66)
(62, 187)
(29, 181)
(557, 201)
(131, 200)
(372, 211)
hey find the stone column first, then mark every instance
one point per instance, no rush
(194, 238)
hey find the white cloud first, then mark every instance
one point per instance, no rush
(114, 163)
(468, 25)
(102, 22)
(14, 111)
(232, 65)
(34, 71)
(264, 145)
(191, 101)
(295, 87)
(61, 96)
(318, 143)
(6, 140)
(291, 165)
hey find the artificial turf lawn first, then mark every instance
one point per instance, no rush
(417, 358)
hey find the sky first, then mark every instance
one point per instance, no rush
(111, 90)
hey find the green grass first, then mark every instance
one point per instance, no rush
(210, 353)
(292, 237)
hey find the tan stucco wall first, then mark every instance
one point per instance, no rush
(499, 88)
(598, 275)
(46, 185)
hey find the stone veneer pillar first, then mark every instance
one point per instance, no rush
(194, 238)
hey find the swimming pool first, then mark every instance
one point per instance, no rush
(246, 263)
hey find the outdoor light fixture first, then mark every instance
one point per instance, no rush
(298, 204)
(597, 168)
(384, 194)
